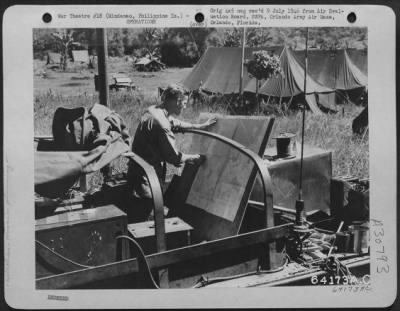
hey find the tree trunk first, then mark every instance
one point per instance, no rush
(65, 58)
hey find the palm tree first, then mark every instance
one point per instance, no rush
(65, 37)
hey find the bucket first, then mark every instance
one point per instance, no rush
(360, 235)
(343, 242)
(286, 145)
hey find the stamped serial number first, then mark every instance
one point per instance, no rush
(57, 297)
(340, 280)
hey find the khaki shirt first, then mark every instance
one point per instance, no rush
(154, 141)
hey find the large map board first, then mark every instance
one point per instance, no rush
(216, 200)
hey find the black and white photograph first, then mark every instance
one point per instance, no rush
(219, 156)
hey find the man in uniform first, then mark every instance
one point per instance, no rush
(154, 141)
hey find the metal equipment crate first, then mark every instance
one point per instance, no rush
(177, 233)
(84, 237)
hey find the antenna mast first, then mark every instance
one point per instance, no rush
(300, 218)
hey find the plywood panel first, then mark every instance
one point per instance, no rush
(218, 191)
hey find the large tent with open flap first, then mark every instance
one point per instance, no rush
(335, 68)
(345, 71)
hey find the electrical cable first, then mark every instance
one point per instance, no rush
(334, 240)
(62, 257)
(142, 257)
(335, 266)
(324, 230)
(206, 281)
(275, 270)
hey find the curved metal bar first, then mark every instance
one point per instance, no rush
(142, 257)
(57, 261)
(157, 196)
(258, 162)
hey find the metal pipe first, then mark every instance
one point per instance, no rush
(303, 120)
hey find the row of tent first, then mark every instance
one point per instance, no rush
(331, 75)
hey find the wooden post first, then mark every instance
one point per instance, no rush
(104, 94)
(102, 64)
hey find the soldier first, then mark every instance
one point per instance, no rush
(154, 141)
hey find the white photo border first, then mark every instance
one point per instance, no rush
(20, 292)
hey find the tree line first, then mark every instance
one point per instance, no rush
(182, 47)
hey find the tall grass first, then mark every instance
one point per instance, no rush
(46, 103)
(350, 154)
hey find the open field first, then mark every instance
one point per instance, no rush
(76, 88)
(78, 80)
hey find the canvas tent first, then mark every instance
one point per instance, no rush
(359, 58)
(290, 82)
(147, 64)
(350, 79)
(54, 59)
(218, 70)
(337, 69)
(81, 56)
(360, 123)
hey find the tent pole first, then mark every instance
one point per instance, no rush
(300, 202)
(242, 62)
(289, 103)
(268, 100)
(257, 99)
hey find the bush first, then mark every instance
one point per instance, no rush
(172, 55)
